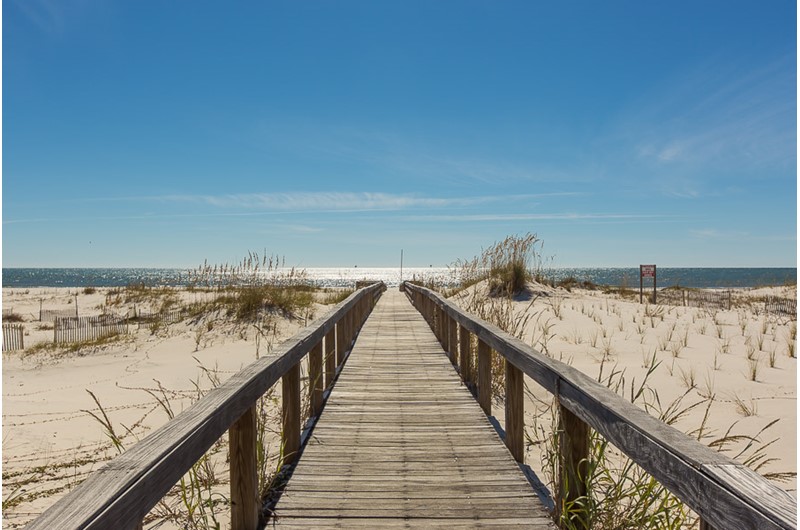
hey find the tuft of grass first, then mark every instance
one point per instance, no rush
(12, 317)
(336, 297)
(752, 369)
(688, 377)
(743, 408)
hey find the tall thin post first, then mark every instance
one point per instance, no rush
(291, 414)
(485, 377)
(465, 349)
(244, 472)
(515, 413)
(574, 449)
(340, 342)
(315, 378)
(330, 357)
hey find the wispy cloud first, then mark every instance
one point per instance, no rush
(533, 217)
(721, 114)
(344, 201)
(737, 235)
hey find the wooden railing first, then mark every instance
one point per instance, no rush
(120, 494)
(724, 493)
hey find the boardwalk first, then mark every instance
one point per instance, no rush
(401, 443)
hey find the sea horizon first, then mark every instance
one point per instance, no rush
(694, 277)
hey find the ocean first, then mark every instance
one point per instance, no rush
(347, 276)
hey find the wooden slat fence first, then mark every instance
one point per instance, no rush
(724, 493)
(154, 319)
(79, 329)
(690, 298)
(50, 315)
(121, 493)
(784, 306)
(13, 337)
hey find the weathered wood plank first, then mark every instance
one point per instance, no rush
(123, 492)
(485, 377)
(315, 378)
(679, 462)
(402, 440)
(245, 503)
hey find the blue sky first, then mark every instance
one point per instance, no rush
(336, 133)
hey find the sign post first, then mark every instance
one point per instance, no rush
(647, 271)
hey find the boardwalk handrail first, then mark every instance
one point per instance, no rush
(724, 493)
(121, 493)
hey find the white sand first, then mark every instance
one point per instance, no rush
(48, 438)
(707, 348)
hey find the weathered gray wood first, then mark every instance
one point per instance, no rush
(515, 412)
(574, 465)
(315, 378)
(123, 492)
(330, 358)
(452, 340)
(401, 440)
(245, 502)
(290, 385)
(341, 341)
(674, 459)
(705, 526)
(465, 350)
(485, 377)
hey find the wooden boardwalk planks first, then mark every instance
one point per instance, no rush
(401, 443)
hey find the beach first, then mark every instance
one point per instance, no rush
(730, 372)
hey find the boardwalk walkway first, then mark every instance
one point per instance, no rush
(401, 443)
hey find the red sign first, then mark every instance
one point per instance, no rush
(648, 271)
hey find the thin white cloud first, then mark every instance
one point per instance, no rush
(531, 217)
(721, 114)
(344, 201)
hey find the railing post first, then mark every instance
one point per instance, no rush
(315, 378)
(340, 340)
(443, 328)
(452, 341)
(330, 357)
(574, 449)
(515, 412)
(465, 348)
(290, 384)
(243, 472)
(485, 377)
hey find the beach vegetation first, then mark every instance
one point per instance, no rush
(12, 317)
(620, 494)
(753, 368)
(336, 296)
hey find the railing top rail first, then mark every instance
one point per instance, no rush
(122, 492)
(723, 492)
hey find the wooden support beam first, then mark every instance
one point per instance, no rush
(515, 412)
(315, 378)
(330, 357)
(574, 452)
(465, 350)
(243, 472)
(340, 342)
(452, 340)
(485, 377)
(291, 414)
